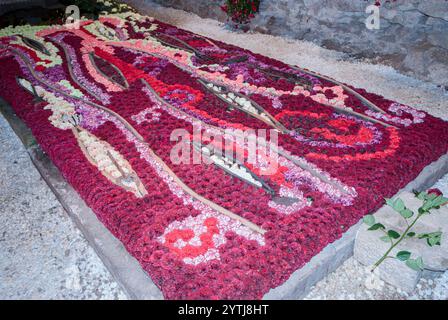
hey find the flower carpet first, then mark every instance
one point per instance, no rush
(103, 99)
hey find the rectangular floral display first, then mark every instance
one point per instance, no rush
(124, 106)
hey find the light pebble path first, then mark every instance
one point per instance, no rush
(44, 256)
(42, 253)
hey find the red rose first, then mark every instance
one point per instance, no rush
(435, 191)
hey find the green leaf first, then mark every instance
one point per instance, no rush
(431, 196)
(412, 264)
(411, 234)
(385, 238)
(403, 255)
(389, 202)
(369, 220)
(444, 200)
(437, 202)
(438, 237)
(393, 234)
(420, 263)
(422, 195)
(432, 239)
(432, 242)
(427, 205)
(399, 205)
(406, 213)
(376, 226)
(415, 264)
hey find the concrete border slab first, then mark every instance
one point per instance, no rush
(127, 271)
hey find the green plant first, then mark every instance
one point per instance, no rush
(430, 201)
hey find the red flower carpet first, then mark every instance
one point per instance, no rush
(104, 99)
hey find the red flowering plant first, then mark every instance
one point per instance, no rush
(241, 11)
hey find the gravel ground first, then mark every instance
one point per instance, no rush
(44, 255)
(351, 282)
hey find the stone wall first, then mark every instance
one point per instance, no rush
(413, 34)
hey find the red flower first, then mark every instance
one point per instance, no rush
(435, 191)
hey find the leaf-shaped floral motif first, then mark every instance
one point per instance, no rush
(109, 162)
(109, 71)
(291, 77)
(243, 103)
(28, 86)
(36, 45)
(233, 167)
